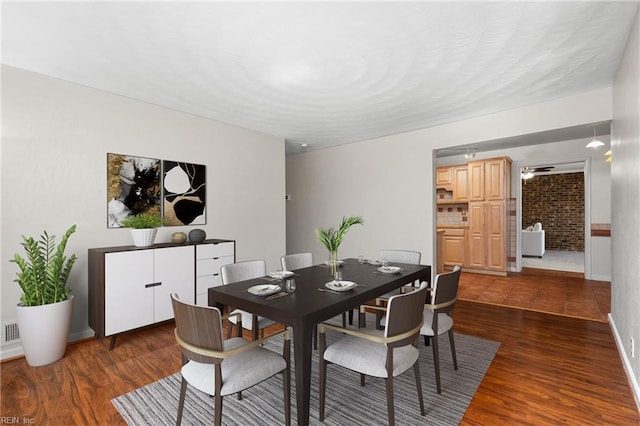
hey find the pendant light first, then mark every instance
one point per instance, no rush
(595, 143)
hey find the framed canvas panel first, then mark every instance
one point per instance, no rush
(133, 187)
(185, 190)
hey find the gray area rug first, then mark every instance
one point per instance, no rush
(347, 403)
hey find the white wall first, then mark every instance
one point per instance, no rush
(390, 180)
(598, 266)
(625, 197)
(55, 140)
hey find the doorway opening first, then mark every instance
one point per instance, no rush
(553, 198)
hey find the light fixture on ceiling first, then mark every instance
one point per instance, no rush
(304, 147)
(595, 143)
(526, 174)
(470, 154)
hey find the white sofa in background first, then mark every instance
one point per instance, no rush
(533, 241)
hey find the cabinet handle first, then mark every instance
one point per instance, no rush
(153, 284)
(216, 258)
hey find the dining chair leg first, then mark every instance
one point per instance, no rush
(350, 316)
(229, 329)
(416, 371)
(254, 327)
(286, 381)
(427, 340)
(453, 350)
(217, 415)
(362, 379)
(436, 362)
(390, 407)
(183, 390)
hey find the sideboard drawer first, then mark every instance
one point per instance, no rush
(208, 281)
(204, 251)
(212, 265)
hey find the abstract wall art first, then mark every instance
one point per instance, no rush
(184, 193)
(133, 187)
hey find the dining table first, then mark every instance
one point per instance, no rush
(310, 304)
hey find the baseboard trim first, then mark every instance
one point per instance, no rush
(635, 388)
(16, 351)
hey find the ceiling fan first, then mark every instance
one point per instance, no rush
(528, 172)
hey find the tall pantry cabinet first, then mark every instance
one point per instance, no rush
(489, 190)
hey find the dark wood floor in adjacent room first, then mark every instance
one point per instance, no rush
(549, 370)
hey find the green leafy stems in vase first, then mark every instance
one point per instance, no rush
(331, 238)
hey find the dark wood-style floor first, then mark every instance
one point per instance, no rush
(548, 370)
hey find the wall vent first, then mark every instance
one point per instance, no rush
(10, 332)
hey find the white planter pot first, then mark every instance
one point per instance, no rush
(143, 237)
(44, 331)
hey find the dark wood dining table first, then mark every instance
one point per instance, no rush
(307, 306)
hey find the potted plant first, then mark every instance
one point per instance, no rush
(331, 238)
(143, 228)
(45, 308)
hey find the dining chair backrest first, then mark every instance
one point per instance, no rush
(445, 289)
(199, 326)
(241, 271)
(404, 313)
(400, 256)
(291, 262)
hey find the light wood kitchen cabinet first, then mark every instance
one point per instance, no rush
(453, 247)
(486, 247)
(496, 241)
(444, 177)
(484, 186)
(476, 180)
(461, 184)
(494, 178)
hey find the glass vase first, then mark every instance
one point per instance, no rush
(333, 262)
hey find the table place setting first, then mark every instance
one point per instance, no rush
(390, 269)
(264, 289)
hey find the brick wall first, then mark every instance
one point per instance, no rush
(558, 202)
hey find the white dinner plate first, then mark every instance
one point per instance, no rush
(390, 269)
(340, 285)
(280, 275)
(340, 262)
(264, 289)
(374, 262)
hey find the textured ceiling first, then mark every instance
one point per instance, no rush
(324, 73)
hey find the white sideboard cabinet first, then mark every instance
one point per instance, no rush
(130, 287)
(209, 259)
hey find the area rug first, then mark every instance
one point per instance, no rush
(347, 403)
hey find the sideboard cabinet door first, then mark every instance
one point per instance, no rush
(138, 284)
(173, 267)
(128, 299)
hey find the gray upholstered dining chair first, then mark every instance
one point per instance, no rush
(372, 352)
(294, 261)
(396, 256)
(221, 367)
(438, 318)
(241, 271)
